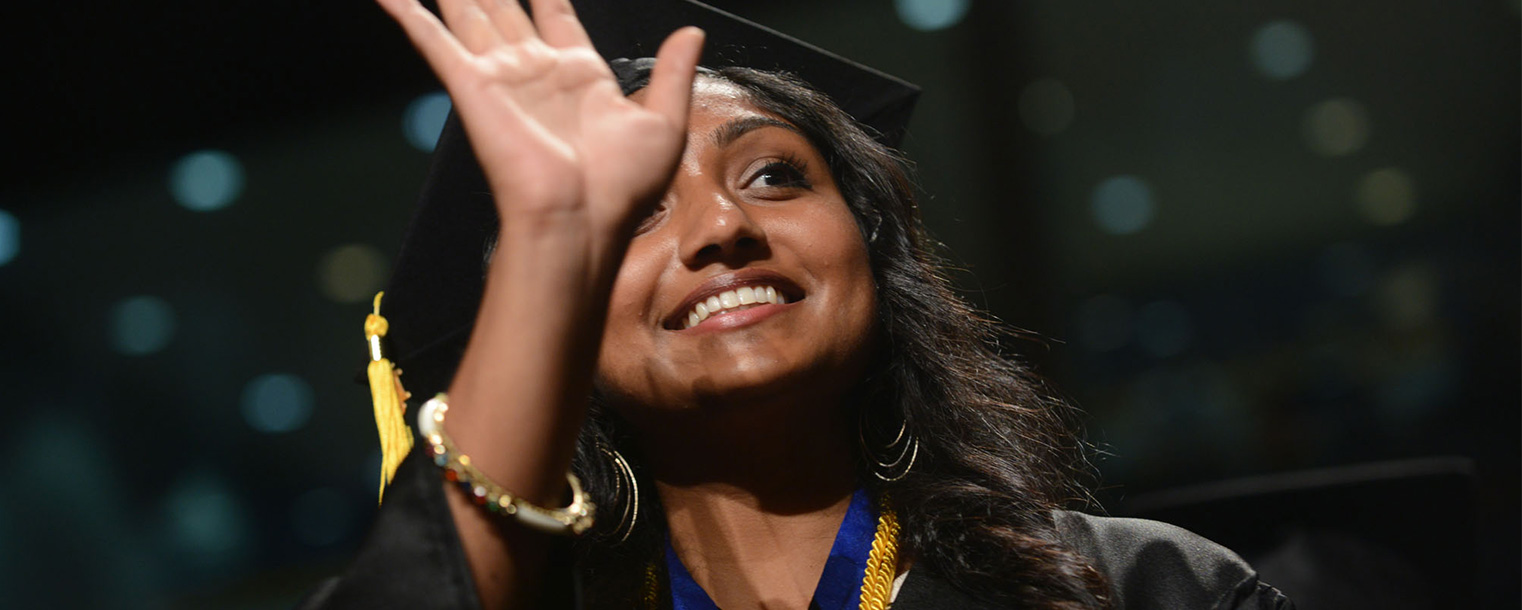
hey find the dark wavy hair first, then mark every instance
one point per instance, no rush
(997, 455)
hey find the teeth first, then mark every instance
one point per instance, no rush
(732, 299)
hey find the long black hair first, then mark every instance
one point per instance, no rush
(997, 452)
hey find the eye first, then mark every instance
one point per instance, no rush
(651, 219)
(780, 173)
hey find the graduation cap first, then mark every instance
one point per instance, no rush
(437, 282)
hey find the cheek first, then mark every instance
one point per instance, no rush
(832, 241)
(830, 245)
(626, 330)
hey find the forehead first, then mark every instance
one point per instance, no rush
(715, 101)
(716, 96)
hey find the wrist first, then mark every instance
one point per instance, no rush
(558, 251)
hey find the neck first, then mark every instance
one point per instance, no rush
(753, 495)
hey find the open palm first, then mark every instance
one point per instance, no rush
(549, 124)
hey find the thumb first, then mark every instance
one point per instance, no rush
(676, 65)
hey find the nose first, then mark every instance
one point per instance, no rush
(717, 229)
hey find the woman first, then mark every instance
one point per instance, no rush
(717, 286)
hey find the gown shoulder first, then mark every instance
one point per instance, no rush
(1150, 565)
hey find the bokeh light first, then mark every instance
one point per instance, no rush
(1046, 106)
(1122, 205)
(141, 325)
(77, 459)
(276, 403)
(929, 15)
(1409, 295)
(1163, 328)
(1282, 50)
(424, 119)
(205, 520)
(351, 273)
(320, 517)
(10, 237)
(1386, 197)
(206, 180)
(1336, 127)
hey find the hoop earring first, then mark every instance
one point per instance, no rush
(904, 446)
(623, 482)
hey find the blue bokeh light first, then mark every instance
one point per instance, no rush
(205, 520)
(1282, 50)
(206, 180)
(141, 325)
(929, 15)
(424, 120)
(10, 237)
(277, 402)
(1122, 205)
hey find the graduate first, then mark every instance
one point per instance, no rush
(676, 338)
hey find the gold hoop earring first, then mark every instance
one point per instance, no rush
(624, 482)
(904, 448)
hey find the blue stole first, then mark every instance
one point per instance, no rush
(839, 587)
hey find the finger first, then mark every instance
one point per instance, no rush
(470, 24)
(676, 65)
(558, 25)
(439, 47)
(512, 23)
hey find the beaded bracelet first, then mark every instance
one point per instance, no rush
(573, 519)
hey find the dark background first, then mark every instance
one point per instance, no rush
(1248, 238)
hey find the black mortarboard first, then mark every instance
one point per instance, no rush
(436, 286)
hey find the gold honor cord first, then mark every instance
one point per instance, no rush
(882, 563)
(876, 583)
(390, 400)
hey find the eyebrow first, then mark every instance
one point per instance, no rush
(733, 130)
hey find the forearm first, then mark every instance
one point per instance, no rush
(520, 394)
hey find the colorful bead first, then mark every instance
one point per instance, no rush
(574, 519)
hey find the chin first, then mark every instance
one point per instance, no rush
(742, 382)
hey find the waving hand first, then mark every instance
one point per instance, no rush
(571, 163)
(551, 128)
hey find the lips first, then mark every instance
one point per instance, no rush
(729, 292)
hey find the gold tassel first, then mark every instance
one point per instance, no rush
(390, 400)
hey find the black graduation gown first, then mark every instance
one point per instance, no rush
(413, 559)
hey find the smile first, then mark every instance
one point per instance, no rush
(742, 298)
(726, 295)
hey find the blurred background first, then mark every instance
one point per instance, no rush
(1247, 238)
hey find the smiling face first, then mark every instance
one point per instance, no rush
(752, 209)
